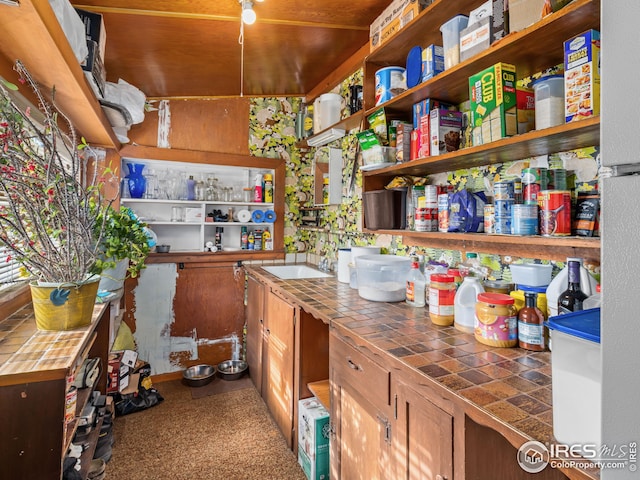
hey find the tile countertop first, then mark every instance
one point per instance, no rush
(510, 385)
(27, 352)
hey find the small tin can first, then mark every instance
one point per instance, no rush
(443, 212)
(555, 213)
(517, 190)
(489, 218)
(503, 191)
(257, 239)
(502, 208)
(503, 225)
(524, 220)
(534, 180)
(557, 179)
(426, 220)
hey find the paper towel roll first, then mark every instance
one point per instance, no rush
(244, 216)
(344, 259)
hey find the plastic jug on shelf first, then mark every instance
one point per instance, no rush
(465, 303)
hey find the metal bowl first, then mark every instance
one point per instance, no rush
(232, 369)
(163, 248)
(199, 375)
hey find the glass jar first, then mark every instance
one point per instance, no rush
(496, 321)
(497, 286)
(442, 293)
(247, 194)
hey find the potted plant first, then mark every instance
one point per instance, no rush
(54, 215)
(125, 247)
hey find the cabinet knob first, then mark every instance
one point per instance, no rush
(441, 477)
(353, 365)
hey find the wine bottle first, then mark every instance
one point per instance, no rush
(571, 299)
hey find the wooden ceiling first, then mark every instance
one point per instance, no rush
(190, 48)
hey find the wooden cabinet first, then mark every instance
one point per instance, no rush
(255, 329)
(360, 414)
(287, 349)
(422, 436)
(278, 359)
(35, 437)
(532, 50)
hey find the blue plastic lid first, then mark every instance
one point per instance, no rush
(414, 66)
(584, 324)
(529, 288)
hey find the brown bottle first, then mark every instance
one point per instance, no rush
(531, 324)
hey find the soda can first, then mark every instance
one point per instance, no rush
(555, 213)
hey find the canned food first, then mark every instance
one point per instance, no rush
(557, 179)
(502, 208)
(503, 225)
(496, 321)
(555, 213)
(426, 220)
(534, 180)
(524, 220)
(489, 218)
(503, 191)
(443, 212)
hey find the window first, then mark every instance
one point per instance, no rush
(9, 270)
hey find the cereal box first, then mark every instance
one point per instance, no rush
(432, 62)
(445, 130)
(493, 103)
(526, 106)
(582, 76)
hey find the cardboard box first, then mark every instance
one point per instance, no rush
(424, 136)
(313, 439)
(93, 67)
(445, 128)
(432, 62)
(394, 18)
(192, 215)
(94, 28)
(526, 109)
(423, 107)
(120, 366)
(486, 26)
(493, 103)
(403, 142)
(582, 76)
(523, 13)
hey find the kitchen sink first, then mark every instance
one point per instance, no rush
(290, 272)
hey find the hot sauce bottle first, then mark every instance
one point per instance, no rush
(531, 324)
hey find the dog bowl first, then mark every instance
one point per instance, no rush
(199, 375)
(232, 369)
(163, 248)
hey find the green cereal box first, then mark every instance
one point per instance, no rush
(492, 93)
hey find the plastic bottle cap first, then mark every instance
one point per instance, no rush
(443, 278)
(496, 298)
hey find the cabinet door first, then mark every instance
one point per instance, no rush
(423, 437)
(255, 322)
(278, 359)
(361, 448)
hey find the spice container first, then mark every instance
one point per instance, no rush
(496, 320)
(442, 294)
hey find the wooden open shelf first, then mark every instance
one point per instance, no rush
(349, 123)
(321, 390)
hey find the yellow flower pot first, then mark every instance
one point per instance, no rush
(64, 307)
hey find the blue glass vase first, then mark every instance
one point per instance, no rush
(137, 182)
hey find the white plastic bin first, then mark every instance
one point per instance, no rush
(576, 377)
(549, 101)
(451, 39)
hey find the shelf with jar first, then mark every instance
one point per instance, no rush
(531, 50)
(193, 206)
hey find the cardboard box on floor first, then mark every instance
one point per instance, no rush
(313, 439)
(121, 363)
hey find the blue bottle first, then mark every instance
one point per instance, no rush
(191, 188)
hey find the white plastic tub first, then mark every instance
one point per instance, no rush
(576, 374)
(382, 278)
(531, 274)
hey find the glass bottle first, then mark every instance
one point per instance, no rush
(416, 285)
(531, 324)
(571, 299)
(200, 190)
(191, 188)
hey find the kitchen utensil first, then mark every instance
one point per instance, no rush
(199, 375)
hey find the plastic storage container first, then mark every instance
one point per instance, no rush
(576, 376)
(532, 274)
(329, 110)
(451, 39)
(382, 278)
(549, 101)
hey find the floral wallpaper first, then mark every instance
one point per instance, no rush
(272, 134)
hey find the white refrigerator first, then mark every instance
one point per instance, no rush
(620, 228)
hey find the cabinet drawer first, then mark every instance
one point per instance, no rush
(365, 375)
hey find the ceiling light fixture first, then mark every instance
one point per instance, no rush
(248, 15)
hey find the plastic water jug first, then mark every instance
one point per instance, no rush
(465, 304)
(561, 282)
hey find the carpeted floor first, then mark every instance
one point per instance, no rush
(229, 436)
